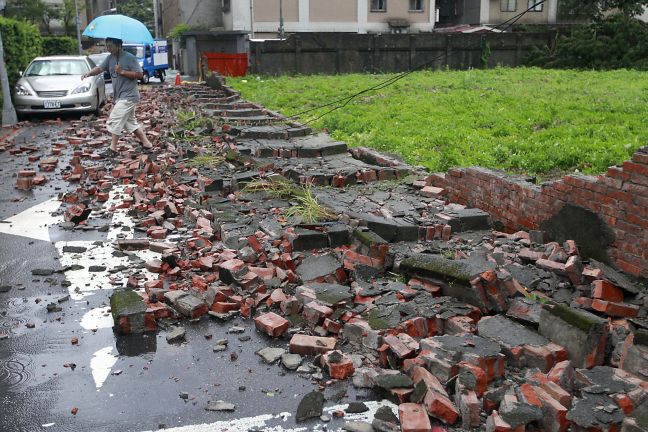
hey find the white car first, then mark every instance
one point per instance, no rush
(53, 84)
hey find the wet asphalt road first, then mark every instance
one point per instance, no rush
(118, 383)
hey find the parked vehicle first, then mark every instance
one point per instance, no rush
(98, 59)
(53, 84)
(153, 58)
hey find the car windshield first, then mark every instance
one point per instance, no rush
(57, 67)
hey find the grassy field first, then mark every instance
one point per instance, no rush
(521, 120)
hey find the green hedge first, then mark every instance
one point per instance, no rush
(615, 42)
(60, 45)
(22, 42)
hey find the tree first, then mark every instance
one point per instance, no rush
(35, 11)
(596, 8)
(141, 10)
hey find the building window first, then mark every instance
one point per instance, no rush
(378, 5)
(534, 5)
(416, 5)
(508, 5)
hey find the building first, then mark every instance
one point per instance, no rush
(204, 15)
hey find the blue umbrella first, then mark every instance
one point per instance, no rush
(119, 27)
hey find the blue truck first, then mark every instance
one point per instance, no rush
(153, 58)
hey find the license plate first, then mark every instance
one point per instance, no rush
(52, 104)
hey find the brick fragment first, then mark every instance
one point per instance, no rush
(413, 418)
(495, 423)
(604, 290)
(271, 324)
(615, 309)
(440, 407)
(310, 345)
(338, 365)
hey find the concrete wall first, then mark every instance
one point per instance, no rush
(332, 11)
(268, 11)
(619, 198)
(315, 53)
(207, 13)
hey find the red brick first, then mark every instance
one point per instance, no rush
(224, 307)
(440, 407)
(557, 392)
(340, 370)
(469, 407)
(481, 378)
(310, 345)
(332, 326)
(538, 356)
(315, 313)
(495, 423)
(604, 290)
(615, 309)
(398, 348)
(432, 192)
(529, 396)
(554, 414)
(413, 418)
(419, 373)
(24, 183)
(271, 324)
(26, 173)
(562, 374)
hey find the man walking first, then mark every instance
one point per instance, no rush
(125, 71)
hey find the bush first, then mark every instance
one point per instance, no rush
(59, 45)
(616, 42)
(21, 42)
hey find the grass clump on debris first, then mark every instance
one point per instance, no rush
(305, 207)
(527, 120)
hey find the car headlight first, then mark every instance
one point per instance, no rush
(22, 90)
(83, 88)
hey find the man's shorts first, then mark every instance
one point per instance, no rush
(122, 117)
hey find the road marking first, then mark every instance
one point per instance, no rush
(271, 422)
(34, 222)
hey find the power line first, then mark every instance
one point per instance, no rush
(347, 99)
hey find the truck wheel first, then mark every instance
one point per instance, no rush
(145, 78)
(162, 76)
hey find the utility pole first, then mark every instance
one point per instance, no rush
(78, 25)
(252, 18)
(281, 21)
(9, 117)
(156, 12)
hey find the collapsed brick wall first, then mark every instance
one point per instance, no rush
(619, 198)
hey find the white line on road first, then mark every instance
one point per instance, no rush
(261, 421)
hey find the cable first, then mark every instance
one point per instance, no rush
(509, 23)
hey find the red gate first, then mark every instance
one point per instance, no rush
(227, 64)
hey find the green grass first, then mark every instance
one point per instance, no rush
(528, 120)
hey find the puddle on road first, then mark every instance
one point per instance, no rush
(98, 318)
(85, 283)
(101, 364)
(16, 370)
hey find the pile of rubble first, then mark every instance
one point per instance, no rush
(395, 288)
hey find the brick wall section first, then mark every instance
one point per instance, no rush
(619, 197)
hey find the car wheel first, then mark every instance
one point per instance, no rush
(145, 78)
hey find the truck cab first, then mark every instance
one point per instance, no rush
(153, 58)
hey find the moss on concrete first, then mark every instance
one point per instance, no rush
(582, 320)
(435, 265)
(125, 303)
(368, 238)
